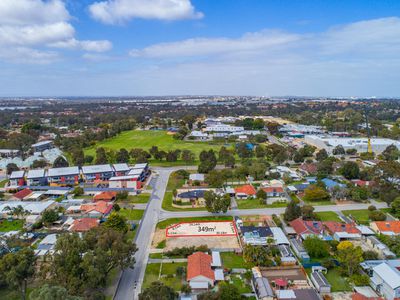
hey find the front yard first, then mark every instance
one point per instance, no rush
(328, 216)
(131, 214)
(255, 203)
(168, 275)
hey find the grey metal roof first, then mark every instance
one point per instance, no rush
(121, 167)
(42, 143)
(38, 173)
(140, 166)
(320, 279)
(17, 174)
(63, 171)
(96, 169)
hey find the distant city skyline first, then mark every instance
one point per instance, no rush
(199, 47)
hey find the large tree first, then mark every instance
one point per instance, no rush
(158, 291)
(292, 211)
(349, 256)
(17, 268)
(51, 292)
(316, 247)
(216, 203)
(315, 193)
(116, 222)
(60, 162)
(350, 170)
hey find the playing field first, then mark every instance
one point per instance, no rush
(145, 139)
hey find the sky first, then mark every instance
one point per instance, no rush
(200, 47)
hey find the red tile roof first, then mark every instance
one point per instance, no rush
(84, 224)
(247, 189)
(199, 264)
(100, 206)
(22, 194)
(358, 296)
(105, 196)
(271, 189)
(309, 168)
(334, 227)
(307, 227)
(384, 226)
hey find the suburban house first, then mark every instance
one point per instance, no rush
(331, 184)
(33, 208)
(191, 196)
(200, 273)
(36, 177)
(343, 231)
(386, 279)
(98, 209)
(386, 227)
(297, 294)
(245, 191)
(97, 173)
(107, 196)
(262, 286)
(63, 176)
(42, 146)
(17, 178)
(256, 235)
(21, 194)
(308, 168)
(274, 192)
(196, 178)
(285, 171)
(125, 181)
(46, 245)
(84, 224)
(307, 228)
(121, 169)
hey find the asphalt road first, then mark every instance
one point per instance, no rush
(131, 280)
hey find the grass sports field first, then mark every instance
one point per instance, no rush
(145, 139)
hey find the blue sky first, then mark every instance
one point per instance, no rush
(175, 47)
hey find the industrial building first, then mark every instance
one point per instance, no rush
(360, 144)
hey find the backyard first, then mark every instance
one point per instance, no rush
(338, 282)
(131, 214)
(232, 260)
(168, 275)
(14, 225)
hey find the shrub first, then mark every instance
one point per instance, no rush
(377, 215)
(360, 280)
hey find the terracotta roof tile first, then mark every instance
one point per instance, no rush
(105, 196)
(247, 189)
(100, 206)
(334, 227)
(199, 264)
(393, 226)
(23, 193)
(84, 224)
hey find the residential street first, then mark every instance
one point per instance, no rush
(131, 280)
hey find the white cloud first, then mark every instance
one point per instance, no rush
(31, 26)
(28, 55)
(264, 40)
(94, 46)
(119, 11)
(24, 12)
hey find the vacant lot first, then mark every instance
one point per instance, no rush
(147, 139)
(131, 214)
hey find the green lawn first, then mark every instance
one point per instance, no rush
(6, 225)
(164, 224)
(255, 203)
(3, 183)
(167, 204)
(328, 216)
(146, 139)
(231, 260)
(168, 275)
(338, 282)
(141, 198)
(156, 255)
(175, 182)
(360, 215)
(131, 214)
(240, 283)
